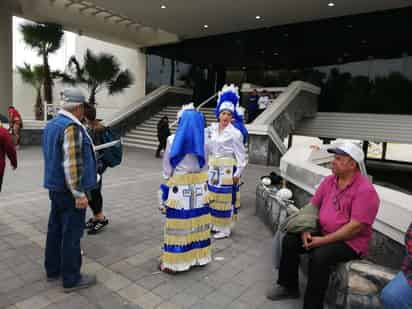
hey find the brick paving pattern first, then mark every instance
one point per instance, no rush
(125, 255)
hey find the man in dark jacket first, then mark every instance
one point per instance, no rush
(6, 148)
(69, 174)
(163, 133)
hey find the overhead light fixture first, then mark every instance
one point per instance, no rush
(258, 17)
(163, 6)
(331, 4)
(205, 26)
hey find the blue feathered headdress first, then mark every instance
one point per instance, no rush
(239, 123)
(227, 99)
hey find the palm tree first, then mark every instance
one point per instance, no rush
(34, 76)
(98, 72)
(45, 38)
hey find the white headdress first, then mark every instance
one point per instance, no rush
(184, 108)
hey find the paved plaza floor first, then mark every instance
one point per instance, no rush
(125, 255)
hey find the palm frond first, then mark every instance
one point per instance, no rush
(66, 78)
(77, 71)
(32, 75)
(102, 68)
(44, 37)
(124, 80)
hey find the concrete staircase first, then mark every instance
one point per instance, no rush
(145, 134)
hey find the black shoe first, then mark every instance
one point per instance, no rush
(279, 292)
(52, 278)
(98, 226)
(90, 223)
(85, 282)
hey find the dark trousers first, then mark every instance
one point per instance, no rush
(162, 146)
(252, 114)
(320, 262)
(65, 228)
(96, 199)
(1, 180)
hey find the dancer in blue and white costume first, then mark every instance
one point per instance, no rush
(227, 160)
(187, 228)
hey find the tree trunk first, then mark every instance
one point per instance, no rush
(38, 107)
(92, 97)
(48, 83)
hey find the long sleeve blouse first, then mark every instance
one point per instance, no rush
(229, 142)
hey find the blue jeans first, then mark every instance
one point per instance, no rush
(65, 228)
(397, 294)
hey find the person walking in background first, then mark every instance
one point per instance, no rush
(69, 173)
(263, 101)
(252, 106)
(163, 133)
(6, 149)
(96, 131)
(15, 124)
(227, 160)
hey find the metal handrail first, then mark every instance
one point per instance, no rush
(206, 101)
(197, 108)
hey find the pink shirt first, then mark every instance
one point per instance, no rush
(358, 201)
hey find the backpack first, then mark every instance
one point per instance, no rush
(111, 156)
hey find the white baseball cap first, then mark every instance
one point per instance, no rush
(351, 150)
(348, 149)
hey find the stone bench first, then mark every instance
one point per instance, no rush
(355, 284)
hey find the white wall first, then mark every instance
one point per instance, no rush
(132, 59)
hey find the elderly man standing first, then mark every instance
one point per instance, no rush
(348, 204)
(70, 172)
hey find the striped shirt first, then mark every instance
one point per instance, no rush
(73, 160)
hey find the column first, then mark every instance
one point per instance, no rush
(6, 59)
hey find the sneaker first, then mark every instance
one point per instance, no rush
(85, 282)
(90, 223)
(221, 235)
(279, 292)
(98, 226)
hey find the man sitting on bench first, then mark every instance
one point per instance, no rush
(348, 204)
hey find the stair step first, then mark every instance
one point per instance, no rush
(145, 134)
(140, 146)
(137, 133)
(140, 142)
(147, 126)
(139, 138)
